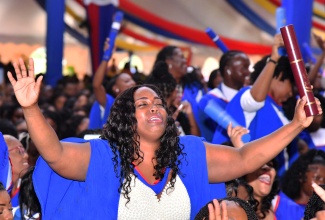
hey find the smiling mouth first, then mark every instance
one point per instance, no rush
(265, 179)
(155, 120)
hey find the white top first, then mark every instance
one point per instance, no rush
(226, 93)
(144, 204)
(318, 137)
(251, 106)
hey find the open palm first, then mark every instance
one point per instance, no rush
(25, 88)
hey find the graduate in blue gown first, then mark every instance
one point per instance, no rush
(234, 69)
(105, 95)
(140, 168)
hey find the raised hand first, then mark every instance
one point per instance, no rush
(217, 211)
(300, 115)
(26, 89)
(235, 134)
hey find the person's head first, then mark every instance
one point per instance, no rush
(234, 68)
(5, 204)
(81, 100)
(138, 115)
(314, 205)
(308, 168)
(119, 83)
(237, 209)
(28, 201)
(175, 60)
(281, 88)
(7, 127)
(161, 78)
(13, 112)
(58, 100)
(18, 157)
(215, 79)
(195, 78)
(265, 184)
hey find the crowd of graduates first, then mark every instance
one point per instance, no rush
(67, 126)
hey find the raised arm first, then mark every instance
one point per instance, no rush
(70, 160)
(315, 68)
(99, 89)
(262, 84)
(227, 163)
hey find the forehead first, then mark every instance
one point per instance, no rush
(123, 76)
(317, 167)
(12, 142)
(4, 197)
(144, 92)
(235, 211)
(177, 51)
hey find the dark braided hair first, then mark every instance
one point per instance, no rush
(226, 58)
(291, 183)
(161, 77)
(251, 215)
(314, 205)
(123, 138)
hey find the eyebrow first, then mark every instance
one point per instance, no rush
(144, 98)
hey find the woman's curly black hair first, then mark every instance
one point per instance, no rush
(314, 205)
(121, 133)
(291, 183)
(251, 215)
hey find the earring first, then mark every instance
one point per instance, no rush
(170, 66)
(117, 90)
(228, 72)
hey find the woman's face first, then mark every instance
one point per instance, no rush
(239, 69)
(18, 156)
(178, 63)
(281, 91)
(5, 206)
(262, 180)
(151, 115)
(315, 173)
(123, 82)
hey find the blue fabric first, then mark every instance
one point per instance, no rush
(208, 126)
(302, 24)
(235, 110)
(15, 200)
(288, 209)
(305, 135)
(265, 122)
(4, 164)
(54, 41)
(95, 121)
(98, 197)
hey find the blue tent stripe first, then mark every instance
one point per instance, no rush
(153, 28)
(250, 15)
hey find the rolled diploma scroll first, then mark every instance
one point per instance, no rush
(280, 19)
(219, 115)
(216, 39)
(298, 69)
(115, 27)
